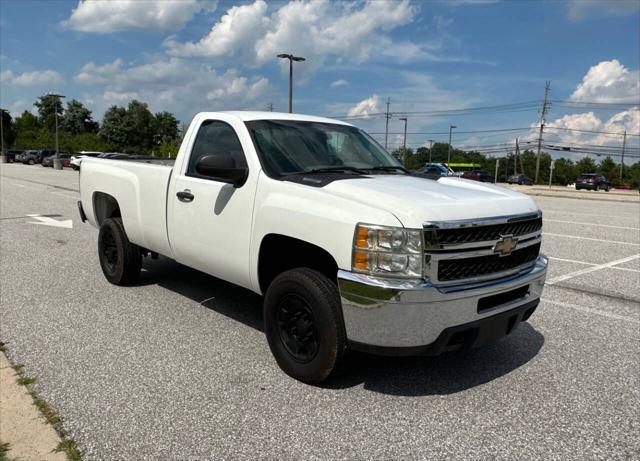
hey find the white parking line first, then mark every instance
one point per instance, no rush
(570, 275)
(592, 311)
(592, 239)
(592, 224)
(591, 264)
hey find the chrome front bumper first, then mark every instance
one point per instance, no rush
(395, 313)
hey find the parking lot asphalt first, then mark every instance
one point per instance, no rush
(177, 367)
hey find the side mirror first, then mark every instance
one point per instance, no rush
(222, 168)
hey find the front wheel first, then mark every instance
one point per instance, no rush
(303, 324)
(120, 259)
(31, 162)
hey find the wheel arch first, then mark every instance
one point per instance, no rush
(279, 253)
(105, 206)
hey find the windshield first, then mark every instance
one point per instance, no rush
(291, 147)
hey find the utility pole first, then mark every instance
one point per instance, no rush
(515, 159)
(553, 165)
(624, 145)
(270, 107)
(451, 127)
(291, 58)
(495, 180)
(387, 116)
(2, 157)
(543, 113)
(404, 142)
(430, 149)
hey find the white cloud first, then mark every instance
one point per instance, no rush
(174, 84)
(365, 107)
(239, 28)
(609, 82)
(315, 30)
(340, 82)
(100, 16)
(35, 78)
(92, 74)
(580, 9)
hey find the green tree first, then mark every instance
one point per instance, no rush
(564, 172)
(77, 119)
(113, 130)
(8, 129)
(585, 165)
(165, 127)
(138, 126)
(609, 169)
(48, 105)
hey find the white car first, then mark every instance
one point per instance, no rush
(76, 159)
(348, 249)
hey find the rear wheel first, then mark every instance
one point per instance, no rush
(31, 161)
(303, 324)
(120, 259)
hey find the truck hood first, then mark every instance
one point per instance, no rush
(416, 200)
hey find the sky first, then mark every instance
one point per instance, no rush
(188, 56)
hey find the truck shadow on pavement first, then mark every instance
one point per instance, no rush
(403, 376)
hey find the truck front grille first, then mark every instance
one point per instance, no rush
(484, 233)
(459, 269)
(459, 252)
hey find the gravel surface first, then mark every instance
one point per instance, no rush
(177, 367)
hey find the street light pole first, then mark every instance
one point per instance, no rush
(57, 164)
(430, 149)
(451, 127)
(291, 58)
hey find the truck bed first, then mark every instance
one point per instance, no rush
(140, 187)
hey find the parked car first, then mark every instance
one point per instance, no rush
(11, 155)
(349, 250)
(478, 175)
(114, 155)
(64, 156)
(44, 153)
(30, 157)
(521, 179)
(592, 181)
(76, 159)
(432, 171)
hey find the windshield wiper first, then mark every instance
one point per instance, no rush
(389, 168)
(334, 169)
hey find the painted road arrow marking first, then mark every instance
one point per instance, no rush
(47, 221)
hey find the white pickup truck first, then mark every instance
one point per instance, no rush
(349, 250)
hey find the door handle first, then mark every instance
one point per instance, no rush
(185, 196)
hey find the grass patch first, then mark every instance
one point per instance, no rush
(49, 413)
(4, 448)
(17, 367)
(25, 380)
(69, 447)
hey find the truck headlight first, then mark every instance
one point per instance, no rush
(390, 251)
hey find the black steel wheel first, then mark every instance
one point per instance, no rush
(120, 259)
(297, 328)
(304, 325)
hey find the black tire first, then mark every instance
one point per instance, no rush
(120, 259)
(304, 302)
(31, 162)
(595, 188)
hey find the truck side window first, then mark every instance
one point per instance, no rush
(215, 138)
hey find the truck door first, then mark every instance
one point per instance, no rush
(209, 222)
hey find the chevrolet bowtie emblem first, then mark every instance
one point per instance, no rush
(505, 245)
